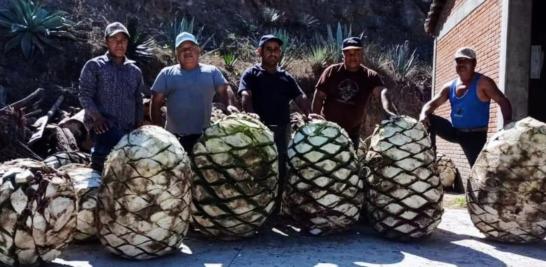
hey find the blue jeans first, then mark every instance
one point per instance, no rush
(103, 144)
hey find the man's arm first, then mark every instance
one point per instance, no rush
(386, 103)
(156, 102)
(86, 95)
(492, 91)
(318, 101)
(246, 101)
(303, 103)
(433, 104)
(223, 96)
(139, 110)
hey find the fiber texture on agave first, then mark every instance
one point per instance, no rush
(507, 190)
(324, 193)
(86, 183)
(37, 212)
(447, 171)
(403, 193)
(60, 159)
(144, 200)
(236, 180)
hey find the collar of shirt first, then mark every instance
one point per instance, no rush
(108, 58)
(260, 68)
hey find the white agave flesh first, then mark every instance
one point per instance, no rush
(323, 179)
(146, 187)
(403, 193)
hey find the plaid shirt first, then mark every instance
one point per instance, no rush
(113, 90)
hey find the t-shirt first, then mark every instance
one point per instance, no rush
(271, 93)
(189, 96)
(347, 94)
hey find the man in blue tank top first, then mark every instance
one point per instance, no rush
(470, 96)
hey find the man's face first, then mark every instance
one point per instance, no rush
(465, 67)
(187, 54)
(352, 58)
(117, 44)
(271, 53)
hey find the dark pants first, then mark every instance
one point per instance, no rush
(281, 134)
(356, 140)
(103, 144)
(188, 141)
(471, 142)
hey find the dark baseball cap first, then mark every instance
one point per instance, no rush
(352, 43)
(114, 28)
(269, 37)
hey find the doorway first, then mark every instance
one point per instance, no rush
(537, 81)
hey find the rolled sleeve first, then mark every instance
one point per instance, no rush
(218, 78)
(295, 89)
(160, 84)
(245, 84)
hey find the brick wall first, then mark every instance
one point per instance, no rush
(482, 31)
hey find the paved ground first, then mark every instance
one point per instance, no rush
(456, 243)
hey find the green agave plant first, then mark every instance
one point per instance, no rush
(334, 39)
(229, 61)
(27, 25)
(187, 25)
(400, 61)
(141, 46)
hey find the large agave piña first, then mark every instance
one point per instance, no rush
(144, 201)
(236, 180)
(447, 171)
(37, 212)
(60, 159)
(324, 193)
(86, 183)
(403, 193)
(507, 189)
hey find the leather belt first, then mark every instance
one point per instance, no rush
(472, 130)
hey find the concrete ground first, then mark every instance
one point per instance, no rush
(455, 243)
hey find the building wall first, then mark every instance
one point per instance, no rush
(481, 30)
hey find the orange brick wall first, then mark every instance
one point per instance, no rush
(482, 31)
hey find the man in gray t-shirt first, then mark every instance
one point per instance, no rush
(188, 89)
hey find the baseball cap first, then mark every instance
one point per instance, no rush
(114, 28)
(352, 43)
(269, 37)
(465, 52)
(185, 36)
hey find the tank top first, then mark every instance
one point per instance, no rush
(468, 111)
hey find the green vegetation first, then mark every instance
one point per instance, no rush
(183, 24)
(25, 24)
(142, 47)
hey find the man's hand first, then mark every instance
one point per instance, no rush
(100, 124)
(315, 116)
(232, 109)
(424, 119)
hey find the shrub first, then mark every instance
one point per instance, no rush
(30, 27)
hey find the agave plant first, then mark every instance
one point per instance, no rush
(27, 25)
(400, 61)
(335, 41)
(307, 21)
(229, 60)
(142, 46)
(291, 48)
(187, 25)
(271, 16)
(321, 56)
